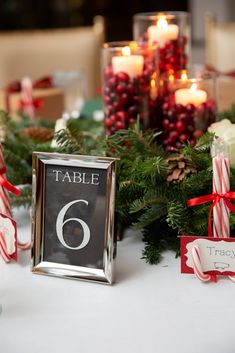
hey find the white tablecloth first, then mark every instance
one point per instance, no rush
(152, 309)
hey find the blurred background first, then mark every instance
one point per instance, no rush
(45, 14)
(48, 51)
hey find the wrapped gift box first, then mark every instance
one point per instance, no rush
(50, 103)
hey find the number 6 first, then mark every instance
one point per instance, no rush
(60, 223)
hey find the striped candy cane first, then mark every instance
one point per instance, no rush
(26, 97)
(5, 206)
(3, 248)
(197, 267)
(217, 188)
(225, 187)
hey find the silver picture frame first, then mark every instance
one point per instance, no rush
(73, 206)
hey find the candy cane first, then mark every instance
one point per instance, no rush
(216, 162)
(5, 206)
(24, 246)
(197, 267)
(3, 248)
(225, 187)
(26, 97)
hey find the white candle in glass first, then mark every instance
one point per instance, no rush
(163, 31)
(133, 65)
(190, 95)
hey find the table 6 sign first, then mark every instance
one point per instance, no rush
(73, 216)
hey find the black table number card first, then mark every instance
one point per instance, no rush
(73, 216)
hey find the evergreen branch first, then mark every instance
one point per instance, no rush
(204, 142)
(177, 216)
(150, 215)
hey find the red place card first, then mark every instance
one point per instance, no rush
(217, 254)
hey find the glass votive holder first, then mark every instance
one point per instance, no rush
(74, 86)
(171, 30)
(188, 108)
(130, 79)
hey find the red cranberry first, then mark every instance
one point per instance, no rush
(193, 142)
(112, 118)
(132, 121)
(119, 125)
(112, 82)
(178, 145)
(183, 138)
(183, 117)
(108, 109)
(179, 108)
(108, 123)
(169, 67)
(166, 107)
(174, 135)
(112, 96)
(190, 108)
(170, 115)
(120, 88)
(190, 128)
(122, 77)
(130, 89)
(132, 111)
(121, 116)
(162, 66)
(197, 133)
(166, 124)
(107, 99)
(172, 126)
(137, 99)
(201, 109)
(180, 127)
(117, 105)
(169, 140)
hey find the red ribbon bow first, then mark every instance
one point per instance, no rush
(6, 183)
(215, 199)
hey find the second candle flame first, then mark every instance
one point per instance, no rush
(126, 51)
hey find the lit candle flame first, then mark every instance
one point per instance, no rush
(126, 51)
(162, 23)
(193, 88)
(184, 75)
(153, 83)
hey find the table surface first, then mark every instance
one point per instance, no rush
(150, 309)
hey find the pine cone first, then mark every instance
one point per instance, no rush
(38, 133)
(178, 169)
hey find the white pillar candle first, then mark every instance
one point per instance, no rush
(133, 65)
(163, 32)
(190, 95)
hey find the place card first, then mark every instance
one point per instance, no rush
(217, 255)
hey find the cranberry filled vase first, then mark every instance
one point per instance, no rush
(171, 30)
(188, 108)
(130, 84)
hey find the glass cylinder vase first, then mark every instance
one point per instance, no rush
(188, 108)
(171, 30)
(130, 79)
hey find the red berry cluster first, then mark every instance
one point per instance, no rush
(183, 124)
(173, 55)
(126, 99)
